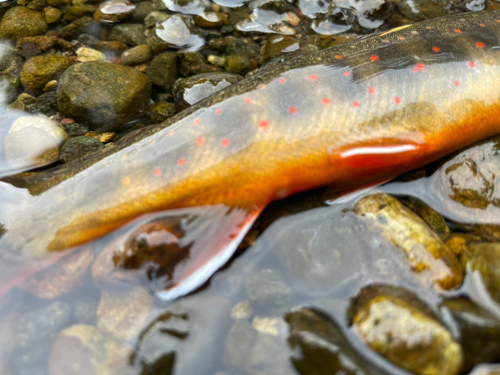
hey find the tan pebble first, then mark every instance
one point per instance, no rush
(123, 314)
(142, 67)
(86, 54)
(94, 134)
(292, 19)
(217, 60)
(106, 137)
(242, 310)
(62, 277)
(285, 30)
(50, 86)
(271, 326)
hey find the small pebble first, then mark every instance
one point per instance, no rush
(86, 54)
(113, 11)
(52, 15)
(137, 55)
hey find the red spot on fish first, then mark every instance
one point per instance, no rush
(371, 90)
(458, 31)
(152, 141)
(126, 181)
(157, 171)
(218, 111)
(263, 124)
(482, 25)
(248, 101)
(200, 141)
(456, 83)
(225, 142)
(401, 37)
(436, 49)
(181, 162)
(471, 64)
(480, 44)
(418, 68)
(497, 21)
(355, 104)
(197, 121)
(326, 101)
(282, 81)
(293, 110)
(347, 74)
(338, 57)
(261, 86)
(374, 57)
(397, 100)
(171, 133)
(313, 77)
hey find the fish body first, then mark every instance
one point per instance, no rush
(348, 116)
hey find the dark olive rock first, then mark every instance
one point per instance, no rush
(76, 129)
(433, 219)
(142, 9)
(194, 62)
(128, 33)
(47, 103)
(84, 25)
(160, 111)
(480, 332)
(191, 90)
(162, 70)
(21, 21)
(102, 95)
(79, 147)
(237, 64)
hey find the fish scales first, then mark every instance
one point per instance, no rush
(417, 93)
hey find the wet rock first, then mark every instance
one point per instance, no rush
(278, 45)
(83, 350)
(211, 19)
(479, 332)
(84, 25)
(88, 40)
(43, 43)
(75, 129)
(194, 63)
(459, 243)
(155, 17)
(160, 111)
(123, 314)
(420, 10)
(176, 32)
(131, 34)
(323, 348)
(39, 70)
(86, 54)
(237, 64)
(34, 333)
(52, 15)
(426, 252)
(79, 147)
(243, 47)
(406, 336)
(186, 6)
(266, 17)
(85, 310)
(267, 290)
(188, 91)
(102, 95)
(485, 258)
(162, 70)
(137, 55)
(78, 11)
(61, 278)
(113, 11)
(37, 5)
(33, 141)
(24, 102)
(8, 88)
(141, 10)
(21, 21)
(433, 219)
(182, 338)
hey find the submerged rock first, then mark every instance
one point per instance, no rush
(485, 258)
(131, 34)
(191, 90)
(113, 11)
(40, 70)
(406, 335)
(266, 289)
(21, 21)
(420, 10)
(103, 95)
(79, 147)
(426, 252)
(137, 55)
(162, 70)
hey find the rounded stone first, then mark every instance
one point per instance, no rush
(79, 147)
(40, 70)
(211, 19)
(51, 14)
(20, 22)
(137, 55)
(128, 33)
(86, 54)
(163, 70)
(102, 95)
(113, 11)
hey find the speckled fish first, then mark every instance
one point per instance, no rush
(348, 116)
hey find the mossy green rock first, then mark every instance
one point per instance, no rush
(20, 22)
(102, 95)
(162, 71)
(39, 70)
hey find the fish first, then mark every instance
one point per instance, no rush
(347, 117)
